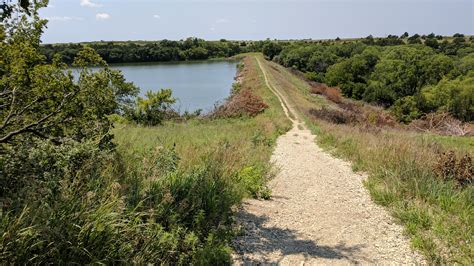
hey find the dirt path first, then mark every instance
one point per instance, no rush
(319, 213)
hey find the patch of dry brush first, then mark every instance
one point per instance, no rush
(331, 93)
(243, 103)
(450, 166)
(443, 124)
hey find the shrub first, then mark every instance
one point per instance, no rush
(85, 206)
(314, 76)
(240, 104)
(333, 94)
(254, 182)
(452, 167)
(405, 109)
(153, 109)
(333, 116)
(318, 88)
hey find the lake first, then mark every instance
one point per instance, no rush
(196, 85)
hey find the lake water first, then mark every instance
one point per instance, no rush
(196, 85)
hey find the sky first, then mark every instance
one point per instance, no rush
(121, 20)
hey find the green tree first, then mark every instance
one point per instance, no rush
(352, 74)
(454, 96)
(432, 42)
(271, 49)
(406, 109)
(151, 110)
(42, 103)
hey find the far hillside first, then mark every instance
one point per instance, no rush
(410, 75)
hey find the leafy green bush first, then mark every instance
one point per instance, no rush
(454, 96)
(152, 110)
(254, 182)
(405, 109)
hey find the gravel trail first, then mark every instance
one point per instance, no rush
(320, 212)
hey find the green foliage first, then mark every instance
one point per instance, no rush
(159, 51)
(151, 111)
(313, 76)
(42, 100)
(351, 74)
(254, 182)
(385, 70)
(68, 197)
(405, 109)
(454, 96)
(93, 207)
(271, 49)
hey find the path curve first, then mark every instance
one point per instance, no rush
(320, 212)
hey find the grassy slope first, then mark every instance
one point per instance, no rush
(251, 138)
(438, 217)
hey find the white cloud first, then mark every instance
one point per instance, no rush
(156, 16)
(222, 21)
(65, 18)
(88, 3)
(102, 16)
(212, 28)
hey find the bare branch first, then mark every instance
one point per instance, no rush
(10, 113)
(30, 126)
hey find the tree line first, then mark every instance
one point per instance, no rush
(159, 51)
(411, 75)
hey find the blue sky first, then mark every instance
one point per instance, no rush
(93, 20)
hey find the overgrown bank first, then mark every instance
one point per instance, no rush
(72, 192)
(425, 185)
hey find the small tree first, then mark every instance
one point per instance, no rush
(152, 110)
(271, 49)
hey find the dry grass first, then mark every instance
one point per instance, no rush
(442, 123)
(334, 115)
(332, 93)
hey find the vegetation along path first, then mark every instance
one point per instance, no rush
(320, 211)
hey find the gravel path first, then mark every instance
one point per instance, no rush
(320, 213)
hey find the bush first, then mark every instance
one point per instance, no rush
(331, 93)
(254, 182)
(153, 109)
(405, 109)
(334, 94)
(333, 116)
(86, 206)
(314, 76)
(454, 96)
(240, 104)
(452, 167)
